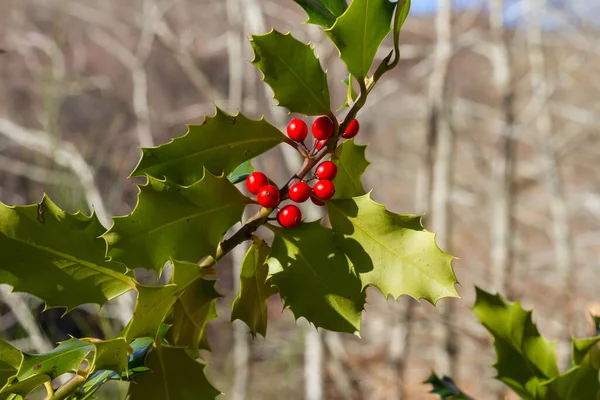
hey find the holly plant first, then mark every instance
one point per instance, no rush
(189, 202)
(526, 361)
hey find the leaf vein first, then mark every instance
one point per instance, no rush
(78, 261)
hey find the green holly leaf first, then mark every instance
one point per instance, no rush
(194, 309)
(10, 360)
(67, 357)
(174, 376)
(220, 145)
(109, 355)
(152, 305)
(392, 252)
(445, 388)
(154, 302)
(250, 305)
(314, 278)
(525, 359)
(293, 71)
(358, 33)
(322, 12)
(169, 220)
(581, 381)
(351, 162)
(241, 172)
(351, 94)
(403, 8)
(57, 256)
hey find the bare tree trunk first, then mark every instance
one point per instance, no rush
(337, 367)
(313, 364)
(402, 332)
(503, 165)
(401, 340)
(544, 128)
(432, 193)
(399, 355)
(439, 126)
(241, 346)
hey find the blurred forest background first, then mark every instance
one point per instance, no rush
(489, 126)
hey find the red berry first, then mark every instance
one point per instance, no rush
(297, 130)
(300, 192)
(324, 189)
(351, 129)
(322, 128)
(320, 144)
(289, 216)
(255, 181)
(326, 170)
(268, 196)
(316, 201)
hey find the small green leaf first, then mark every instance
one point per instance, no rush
(109, 355)
(403, 8)
(392, 252)
(314, 278)
(293, 71)
(137, 359)
(57, 256)
(351, 94)
(220, 145)
(359, 31)
(174, 376)
(322, 12)
(241, 172)
(445, 388)
(183, 222)
(581, 347)
(194, 309)
(250, 305)
(154, 302)
(351, 162)
(525, 358)
(596, 320)
(135, 365)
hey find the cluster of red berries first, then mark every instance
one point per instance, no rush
(322, 129)
(268, 196)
